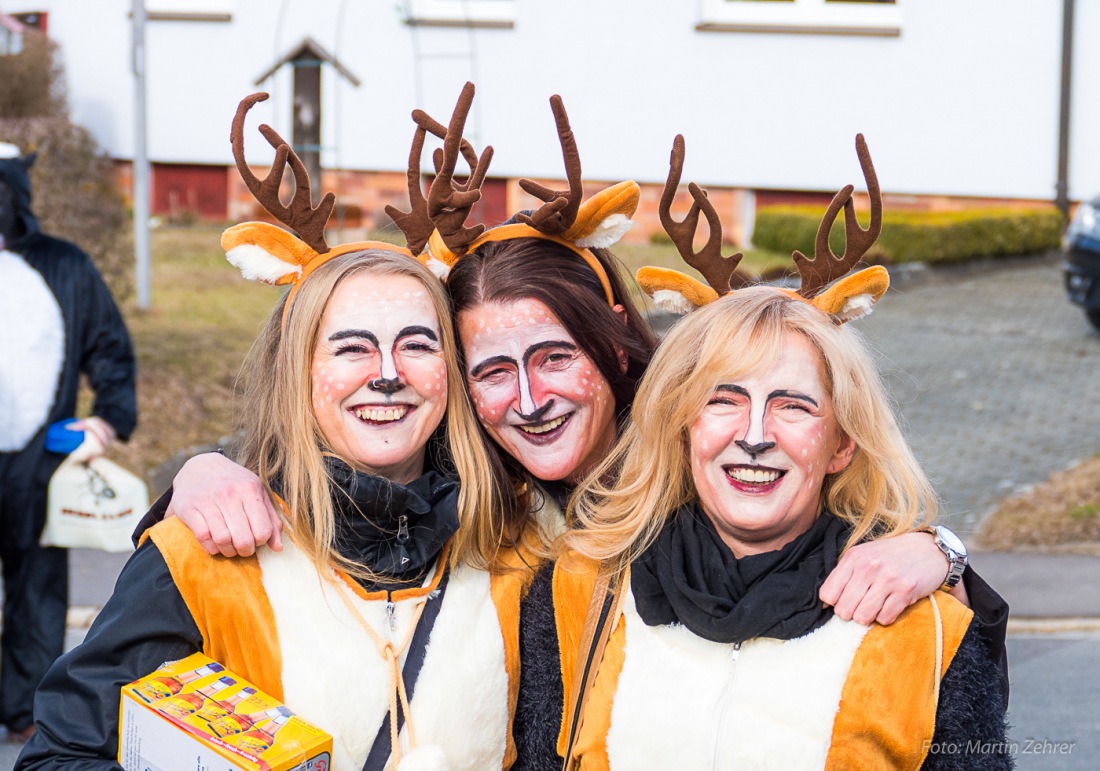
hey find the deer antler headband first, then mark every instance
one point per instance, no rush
(265, 252)
(847, 299)
(563, 219)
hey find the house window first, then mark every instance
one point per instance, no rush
(11, 41)
(828, 17)
(499, 14)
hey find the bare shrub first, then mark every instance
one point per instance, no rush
(75, 194)
(32, 82)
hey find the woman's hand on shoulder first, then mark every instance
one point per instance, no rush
(877, 580)
(225, 506)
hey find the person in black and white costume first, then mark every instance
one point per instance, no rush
(57, 320)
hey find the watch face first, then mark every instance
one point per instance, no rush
(951, 541)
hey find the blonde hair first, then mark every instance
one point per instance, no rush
(283, 443)
(623, 504)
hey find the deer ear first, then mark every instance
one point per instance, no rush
(674, 291)
(605, 217)
(854, 296)
(264, 252)
(437, 256)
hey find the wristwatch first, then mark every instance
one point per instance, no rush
(955, 550)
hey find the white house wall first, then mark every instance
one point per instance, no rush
(963, 102)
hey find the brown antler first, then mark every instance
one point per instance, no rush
(720, 272)
(300, 215)
(415, 223)
(561, 206)
(825, 267)
(449, 202)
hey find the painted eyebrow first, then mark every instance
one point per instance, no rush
(531, 351)
(492, 361)
(344, 334)
(416, 330)
(774, 394)
(792, 395)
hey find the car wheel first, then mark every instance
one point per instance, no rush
(1094, 318)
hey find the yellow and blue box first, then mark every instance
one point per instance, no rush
(193, 715)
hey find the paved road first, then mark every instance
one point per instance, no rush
(995, 374)
(1052, 709)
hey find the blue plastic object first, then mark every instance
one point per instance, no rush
(62, 440)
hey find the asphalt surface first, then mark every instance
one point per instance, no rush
(994, 374)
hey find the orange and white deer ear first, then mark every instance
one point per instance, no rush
(674, 291)
(854, 296)
(437, 256)
(605, 217)
(267, 253)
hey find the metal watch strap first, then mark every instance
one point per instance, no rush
(957, 560)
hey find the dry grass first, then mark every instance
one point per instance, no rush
(189, 345)
(1061, 514)
(203, 319)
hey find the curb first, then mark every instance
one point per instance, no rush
(81, 616)
(1065, 625)
(910, 275)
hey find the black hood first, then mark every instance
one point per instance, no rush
(13, 173)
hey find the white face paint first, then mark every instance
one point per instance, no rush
(535, 390)
(379, 375)
(762, 447)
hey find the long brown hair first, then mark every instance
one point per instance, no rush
(532, 268)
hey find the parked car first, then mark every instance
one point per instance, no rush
(1081, 245)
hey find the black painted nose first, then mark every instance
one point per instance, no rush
(537, 414)
(754, 449)
(386, 385)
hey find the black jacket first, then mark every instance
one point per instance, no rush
(146, 621)
(96, 343)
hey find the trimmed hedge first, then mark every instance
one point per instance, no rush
(918, 236)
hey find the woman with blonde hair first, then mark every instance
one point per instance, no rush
(350, 422)
(761, 448)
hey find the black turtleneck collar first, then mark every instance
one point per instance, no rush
(559, 491)
(396, 531)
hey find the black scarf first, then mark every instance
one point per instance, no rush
(689, 576)
(394, 530)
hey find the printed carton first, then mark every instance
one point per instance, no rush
(192, 714)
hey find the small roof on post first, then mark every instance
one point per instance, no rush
(309, 49)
